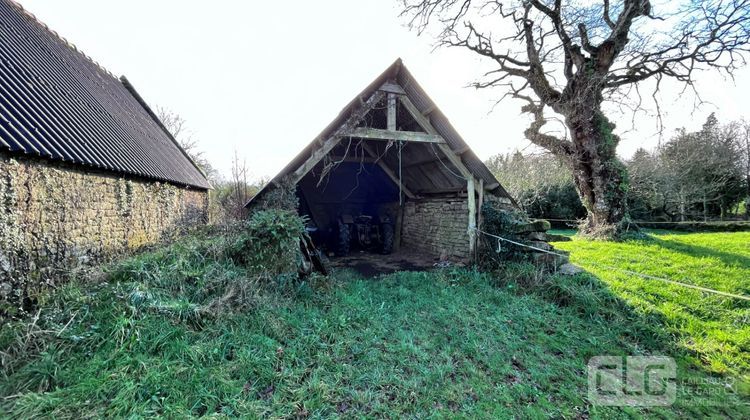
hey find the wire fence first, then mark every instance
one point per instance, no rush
(679, 222)
(622, 270)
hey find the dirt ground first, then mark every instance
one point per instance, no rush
(371, 264)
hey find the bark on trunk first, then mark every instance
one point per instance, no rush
(600, 177)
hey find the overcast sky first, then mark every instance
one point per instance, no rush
(264, 78)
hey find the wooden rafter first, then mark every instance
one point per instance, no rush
(424, 122)
(388, 171)
(354, 159)
(406, 136)
(455, 159)
(335, 138)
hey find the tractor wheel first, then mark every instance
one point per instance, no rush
(345, 239)
(386, 232)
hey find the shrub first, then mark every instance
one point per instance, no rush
(269, 242)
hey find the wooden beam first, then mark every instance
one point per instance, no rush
(388, 171)
(353, 159)
(378, 134)
(456, 161)
(391, 118)
(336, 137)
(442, 190)
(390, 87)
(472, 216)
(462, 150)
(425, 123)
(429, 110)
(421, 162)
(399, 229)
(479, 215)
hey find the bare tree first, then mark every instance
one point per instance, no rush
(177, 126)
(571, 57)
(240, 189)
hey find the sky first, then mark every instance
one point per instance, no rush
(262, 79)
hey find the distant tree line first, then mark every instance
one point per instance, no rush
(541, 184)
(701, 175)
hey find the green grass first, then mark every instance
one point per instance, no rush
(152, 341)
(715, 330)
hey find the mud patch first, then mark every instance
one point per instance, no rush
(373, 265)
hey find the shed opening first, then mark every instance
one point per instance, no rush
(352, 204)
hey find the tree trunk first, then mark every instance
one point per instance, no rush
(600, 178)
(705, 208)
(682, 204)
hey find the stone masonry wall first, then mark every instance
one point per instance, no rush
(438, 227)
(55, 217)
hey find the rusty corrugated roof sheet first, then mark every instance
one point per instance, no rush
(398, 73)
(57, 103)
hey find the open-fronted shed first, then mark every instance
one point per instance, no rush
(393, 157)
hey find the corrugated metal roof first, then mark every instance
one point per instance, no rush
(57, 103)
(398, 73)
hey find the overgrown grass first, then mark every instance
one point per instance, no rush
(151, 342)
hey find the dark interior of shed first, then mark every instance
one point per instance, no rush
(352, 195)
(355, 196)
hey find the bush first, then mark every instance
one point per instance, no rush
(269, 242)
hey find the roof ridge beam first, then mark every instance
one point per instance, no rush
(391, 87)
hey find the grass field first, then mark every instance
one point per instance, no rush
(445, 343)
(714, 329)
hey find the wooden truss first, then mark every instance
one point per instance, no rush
(394, 93)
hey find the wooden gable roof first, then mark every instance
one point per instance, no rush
(423, 169)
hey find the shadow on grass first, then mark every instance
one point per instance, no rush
(699, 251)
(639, 332)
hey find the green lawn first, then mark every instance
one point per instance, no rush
(715, 330)
(446, 343)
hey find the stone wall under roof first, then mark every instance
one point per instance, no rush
(437, 227)
(55, 217)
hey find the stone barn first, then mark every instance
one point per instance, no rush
(390, 175)
(87, 171)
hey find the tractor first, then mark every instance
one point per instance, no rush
(370, 233)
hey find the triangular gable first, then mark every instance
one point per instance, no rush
(434, 131)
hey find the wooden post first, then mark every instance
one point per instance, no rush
(391, 118)
(479, 213)
(472, 215)
(399, 227)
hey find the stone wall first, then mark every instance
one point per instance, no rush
(438, 227)
(55, 217)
